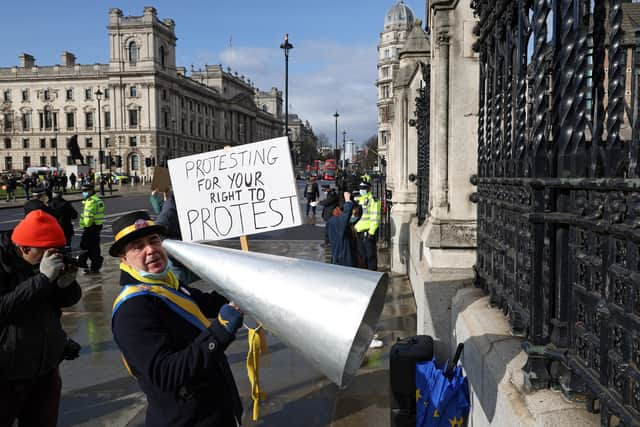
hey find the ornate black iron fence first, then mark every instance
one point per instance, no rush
(559, 192)
(423, 125)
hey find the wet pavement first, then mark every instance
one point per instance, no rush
(97, 390)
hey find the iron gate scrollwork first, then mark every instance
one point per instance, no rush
(558, 192)
(422, 124)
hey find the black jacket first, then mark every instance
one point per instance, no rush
(31, 336)
(183, 371)
(330, 203)
(65, 213)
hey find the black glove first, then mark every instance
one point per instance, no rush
(71, 350)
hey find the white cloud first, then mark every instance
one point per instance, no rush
(323, 77)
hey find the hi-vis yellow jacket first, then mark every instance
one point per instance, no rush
(92, 211)
(370, 220)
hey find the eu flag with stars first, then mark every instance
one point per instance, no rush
(442, 398)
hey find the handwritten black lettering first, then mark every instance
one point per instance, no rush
(217, 219)
(239, 206)
(205, 222)
(188, 165)
(276, 211)
(256, 214)
(192, 219)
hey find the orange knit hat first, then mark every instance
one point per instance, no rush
(39, 230)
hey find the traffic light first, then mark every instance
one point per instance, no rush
(108, 162)
(118, 161)
(101, 156)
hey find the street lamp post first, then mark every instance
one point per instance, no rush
(344, 149)
(335, 150)
(100, 153)
(175, 143)
(286, 46)
(55, 138)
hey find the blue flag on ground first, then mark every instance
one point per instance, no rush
(441, 399)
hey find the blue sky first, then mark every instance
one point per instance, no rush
(332, 65)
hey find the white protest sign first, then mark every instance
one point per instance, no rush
(242, 190)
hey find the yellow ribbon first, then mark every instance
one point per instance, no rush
(257, 347)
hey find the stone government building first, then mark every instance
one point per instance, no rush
(150, 110)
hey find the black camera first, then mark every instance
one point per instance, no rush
(75, 258)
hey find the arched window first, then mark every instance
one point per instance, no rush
(133, 52)
(135, 162)
(162, 58)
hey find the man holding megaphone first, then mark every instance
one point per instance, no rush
(167, 341)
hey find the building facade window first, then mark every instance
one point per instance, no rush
(133, 118)
(385, 72)
(26, 121)
(133, 91)
(8, 121)
(133, 141)
(133, 52)
(54, 161)
(54, 143)
(165, 119)
(135, 161)
(43, 160)
(88, 119)
(162, 56)
(107, 119)
(25, 94)
(25, 143)
(47, 95)
(7, 143)
(88, 142)
(26, 162)
(87, 93)
(106, 93)
(90, 162)
(69, 94)
(70, 120)
(8, 163)
(43, 143)
(48, 119)
(7, 95)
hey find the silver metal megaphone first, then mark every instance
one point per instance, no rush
(326, 312)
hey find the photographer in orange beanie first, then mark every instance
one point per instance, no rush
(35, 282)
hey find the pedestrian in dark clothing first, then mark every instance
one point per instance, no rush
(65, 214)
(34, 285)
(312, 193)
(63, 181)
(341, 234)
(176, 354)
(329, 203)
(27, 183)
(12, 184)
(38, 202)
(72, 180)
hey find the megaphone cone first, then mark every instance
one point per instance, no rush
(326, 312)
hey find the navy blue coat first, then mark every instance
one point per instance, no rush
(342, 245)
(183, 371)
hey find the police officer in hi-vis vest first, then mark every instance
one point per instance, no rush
(91, 221)
(367, 226)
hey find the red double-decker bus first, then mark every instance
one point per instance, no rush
(330, 169)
